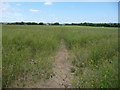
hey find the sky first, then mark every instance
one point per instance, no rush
(63, 12)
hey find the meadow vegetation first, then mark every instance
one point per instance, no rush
(30, 50)
(95, 56)
(0, 55)
(27, 50)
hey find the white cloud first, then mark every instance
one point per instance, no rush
(48, 3)
(18, 4)
(34, 10)
(4, 7)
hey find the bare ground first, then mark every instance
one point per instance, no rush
(63, 77)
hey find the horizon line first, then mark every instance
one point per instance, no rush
(56, 22)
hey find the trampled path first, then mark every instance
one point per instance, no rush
(63, 77)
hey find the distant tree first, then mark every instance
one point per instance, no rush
(22, 23)
(34, 23)
(56, 23)
(28, 23)
(74, 24)
(41, 23)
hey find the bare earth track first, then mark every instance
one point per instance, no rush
(63, 77)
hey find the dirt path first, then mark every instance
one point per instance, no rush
(62, 78)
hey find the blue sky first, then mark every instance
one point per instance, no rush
(63, 12)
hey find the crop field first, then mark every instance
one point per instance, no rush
(32, 54)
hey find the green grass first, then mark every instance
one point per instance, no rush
(30, 49)
(0, 55)
(95, 53)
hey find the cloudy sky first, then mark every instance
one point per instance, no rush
(63, 12)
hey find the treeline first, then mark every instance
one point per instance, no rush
(97, 24)
(75, 24)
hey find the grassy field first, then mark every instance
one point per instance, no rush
(29, 50)
(0, 55)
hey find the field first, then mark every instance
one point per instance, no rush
(30, 53)
(0, 55)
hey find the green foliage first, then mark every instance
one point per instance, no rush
(72, 70)
(95, 56)
(30, 49)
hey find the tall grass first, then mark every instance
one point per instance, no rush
(95, 53)
(28, 50)
(31, 50)
(0, 55)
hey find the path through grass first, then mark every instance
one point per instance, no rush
(32, 53)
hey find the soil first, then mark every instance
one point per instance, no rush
(63, 76)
